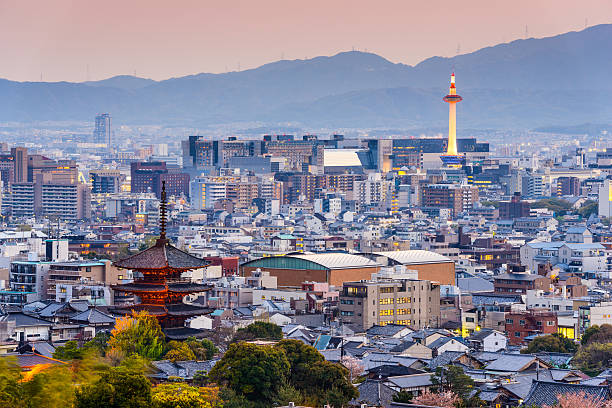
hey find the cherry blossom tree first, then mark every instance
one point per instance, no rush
(353, 365)
(446, 399)
(580, 399)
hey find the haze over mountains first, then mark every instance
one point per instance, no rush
(561, 80)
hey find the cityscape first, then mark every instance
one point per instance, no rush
(327, 232)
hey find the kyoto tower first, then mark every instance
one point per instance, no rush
(452, 158)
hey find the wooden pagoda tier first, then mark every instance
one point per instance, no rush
(160, 288)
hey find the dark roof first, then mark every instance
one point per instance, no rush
(444, 359)
(182, 333)
(93, 316)
(375, 393)
(183, 369)
(162, 255)
(388, 330)
(545, 392)
(391, 370)
(27, 360)
(180, 309)
(403, 346)
(22, 319)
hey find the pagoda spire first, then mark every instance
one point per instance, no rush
(162, 216)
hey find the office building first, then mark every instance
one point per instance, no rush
(106, 181)
(515, 208)
(605, 199)
(102, 133)
(147, 177)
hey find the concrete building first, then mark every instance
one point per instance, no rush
(605, 199)
(102, 133)
(106, 181)
(457, 198)
(414, 303)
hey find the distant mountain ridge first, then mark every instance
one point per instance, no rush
(560, 80)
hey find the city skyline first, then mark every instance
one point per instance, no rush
(75, 42)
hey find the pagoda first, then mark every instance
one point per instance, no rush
(159, 286)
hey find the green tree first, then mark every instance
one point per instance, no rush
(179, 351)
(329, 383)
(69, 351)
(259, 331)
(452, 378)
(10, 375)
(403, 396)
(257, 372)
(203, 350)
(553, 343)
(50, 388)
(588, 208)
(99, 343)
(597, 334)
(288, 393)
(117, 388)
(139, 334)
(231, 399)
(300, 357)
(594, 357)
(557, 205)
(182, 395)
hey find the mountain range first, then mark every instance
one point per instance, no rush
(556, 81)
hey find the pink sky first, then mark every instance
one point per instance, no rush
(164, 38)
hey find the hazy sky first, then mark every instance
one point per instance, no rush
(165, 38)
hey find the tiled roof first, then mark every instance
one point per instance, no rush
(545, 392)
(93, 316)
(374, 393)
(162, 255)
(23, 320)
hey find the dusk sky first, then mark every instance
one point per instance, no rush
(162, 39)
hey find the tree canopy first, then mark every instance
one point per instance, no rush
(552, 343)
(257, 372)
(259, 331)
(139, 334)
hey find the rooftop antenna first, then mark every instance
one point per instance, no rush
(526, 31)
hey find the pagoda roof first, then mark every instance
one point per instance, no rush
(162, 255)
(176, 309)
(182, 333)
(177, 287)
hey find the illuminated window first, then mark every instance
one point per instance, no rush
(387, 301)
(402, 300)
(403, 311)
(386, 312)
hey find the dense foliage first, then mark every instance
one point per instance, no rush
(259, 331)
(553, 343)
(139, 334)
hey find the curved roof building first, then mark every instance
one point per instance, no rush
(333, 268)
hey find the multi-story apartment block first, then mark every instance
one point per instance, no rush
(520, 325)
(414, 303)
(457, 198)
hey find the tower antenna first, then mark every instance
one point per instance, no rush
(526, 31)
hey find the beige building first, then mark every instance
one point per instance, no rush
(81, 272)
(413, 303)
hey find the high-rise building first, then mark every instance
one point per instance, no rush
(457, 198)
(148, 177)
(102, 131)
(568, 186)
(106, 181)
(20, 160)
(605, 199)
(515, 208)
